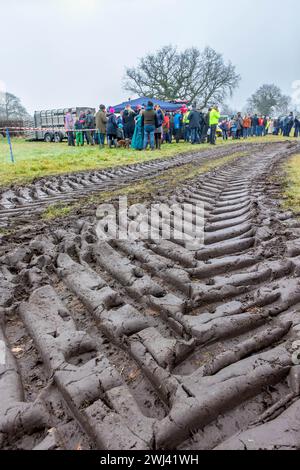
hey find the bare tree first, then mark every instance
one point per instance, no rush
(269, 100)
(11, 107)
(192, 75)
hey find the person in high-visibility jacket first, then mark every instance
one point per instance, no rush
(186, 124)
(214, 117)
(268, 125)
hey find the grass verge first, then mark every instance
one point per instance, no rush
(291, 190)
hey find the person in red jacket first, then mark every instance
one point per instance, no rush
(166, 129)
(246, 126)
(260, 126)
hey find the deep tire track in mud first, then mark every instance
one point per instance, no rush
(25, 200)
(154, 345)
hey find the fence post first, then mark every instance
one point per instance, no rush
(10, 146)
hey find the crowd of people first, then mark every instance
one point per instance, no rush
(258, 126)
(150, 125)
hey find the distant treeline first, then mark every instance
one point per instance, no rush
(11, 123)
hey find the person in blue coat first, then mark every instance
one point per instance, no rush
(177, 125)
(137, 142)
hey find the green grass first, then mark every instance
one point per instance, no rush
(5, 231)
(292, 184)
(56, 211)
(38, 159)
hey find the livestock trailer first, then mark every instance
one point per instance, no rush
(51, 124)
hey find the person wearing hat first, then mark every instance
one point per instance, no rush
(101, 121)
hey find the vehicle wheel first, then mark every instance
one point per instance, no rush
(48, 138)
(57, 138)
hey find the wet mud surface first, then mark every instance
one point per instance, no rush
(155, 345)
(19, 203)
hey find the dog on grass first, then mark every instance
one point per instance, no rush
(125, 143)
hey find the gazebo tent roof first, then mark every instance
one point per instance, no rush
(143, 100)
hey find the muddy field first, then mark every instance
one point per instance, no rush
(19, 203)
(153, 345)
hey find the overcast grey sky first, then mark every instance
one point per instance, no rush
(61, 53)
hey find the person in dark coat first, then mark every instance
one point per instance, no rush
(254, 125)
(82, 118)
(89, 126)
(285, 122)
(158, 131)
(239, 126)
(201, 125)
(171, 127)
(194, 118)
(120, 130)
(224, 128)
(111, 128)
(297, 126)
(276, 126)
(205, 127)
(78, 132)
(290, 124)
(128, 122)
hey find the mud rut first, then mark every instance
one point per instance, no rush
(146, 345)
(22, 201)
